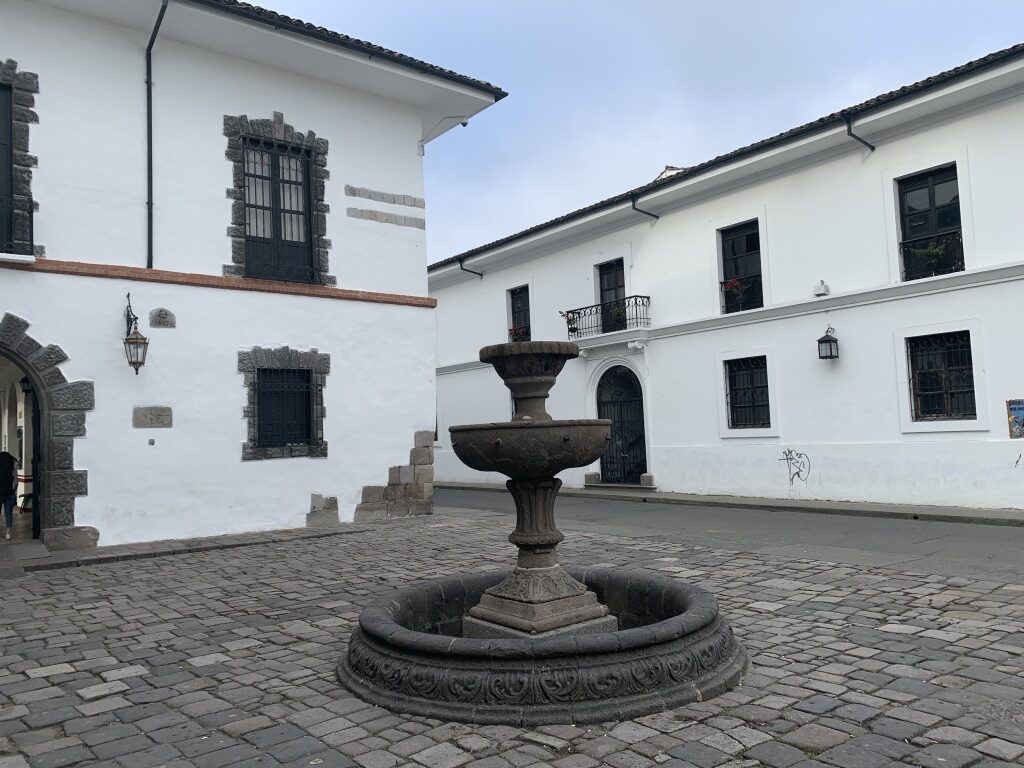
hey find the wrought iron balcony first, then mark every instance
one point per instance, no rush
(742, 293)
(932, 255)
(618, 315)
(519, 333)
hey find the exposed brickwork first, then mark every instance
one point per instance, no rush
(410, 488)
(24, 86)
(319, 365)
(240, 127)
(387, 218)
(119, 272)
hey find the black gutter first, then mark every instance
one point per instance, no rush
(849, 132)
(284, 23)
(654, 216)
(463, 268)
(149, 134)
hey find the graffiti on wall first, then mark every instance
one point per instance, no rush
(798, 464)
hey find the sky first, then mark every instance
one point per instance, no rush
(603, 95)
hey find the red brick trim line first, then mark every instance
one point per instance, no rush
(119, 272)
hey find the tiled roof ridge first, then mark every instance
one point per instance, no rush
(906, 91)
(291, 24)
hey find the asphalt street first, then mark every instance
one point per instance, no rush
(951, 549)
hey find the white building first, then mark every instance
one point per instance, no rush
(263, 205)
(698, 301)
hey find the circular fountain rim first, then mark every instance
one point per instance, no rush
(565, 349)
(378, 622)
(535, 424)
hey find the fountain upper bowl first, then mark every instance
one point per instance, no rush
(524, 450)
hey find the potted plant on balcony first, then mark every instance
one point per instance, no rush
(519, 333)
(571, 321)
(734, 288)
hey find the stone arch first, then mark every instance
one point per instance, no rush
(63, 406)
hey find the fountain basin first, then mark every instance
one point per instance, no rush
(672, 648)
(531, 449)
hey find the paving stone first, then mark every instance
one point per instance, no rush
(999, 749)
(776, 754)
(815, 738)
(442, 756)
(945, 756)
(700, 755)
(849, 756)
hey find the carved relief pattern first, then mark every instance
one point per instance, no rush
(533, 585)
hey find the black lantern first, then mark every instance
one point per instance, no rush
(26, 385)
(135, 344)
(828, 345)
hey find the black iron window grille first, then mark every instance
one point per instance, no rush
(930, 219)
(6, 170)
(519, 304)
(942, 376)
(618, 315)
(747, 394)
(741, 268)
(278, 233)
(284, 407)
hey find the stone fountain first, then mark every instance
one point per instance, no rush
(541, 643)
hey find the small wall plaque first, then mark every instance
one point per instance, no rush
(162, 318)
(1015, 418)
(152, 417)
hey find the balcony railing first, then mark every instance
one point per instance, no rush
(618, 315)
(932, 255)
(519, 333)
(742, 293)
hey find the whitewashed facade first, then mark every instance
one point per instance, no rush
(892, 419)
(182, 448)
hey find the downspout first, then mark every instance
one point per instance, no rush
(849, 131)
(149, 134)
(463, 268)
(654, 216)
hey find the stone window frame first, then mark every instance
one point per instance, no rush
(237, 127)
(319, 365)
(24, 86)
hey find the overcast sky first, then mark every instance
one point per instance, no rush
(603, 94)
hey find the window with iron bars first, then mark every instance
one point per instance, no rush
(942, 376)
(930, 220)
(278, 236)
(284, 407)
(747, 393)
(741, 268)
(519, 311)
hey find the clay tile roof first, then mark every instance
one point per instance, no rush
(297, 26)
(822, 123)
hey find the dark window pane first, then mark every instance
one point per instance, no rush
(283, 407)
(930, 221)
(948, 217)
(747, 380)
(917, 200)
(946, 192)
(942, 376)
(741, 267)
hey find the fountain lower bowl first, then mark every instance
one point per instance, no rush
(531, 449)
(672, 648)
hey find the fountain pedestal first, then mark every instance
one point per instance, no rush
(538, 598)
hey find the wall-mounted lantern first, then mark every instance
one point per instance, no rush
(828, 345)
(26, 385)
(135, 344)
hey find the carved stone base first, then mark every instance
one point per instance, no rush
(486, 630)
(534, 601)
(70, 537)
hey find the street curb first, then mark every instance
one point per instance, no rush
(1014, 518)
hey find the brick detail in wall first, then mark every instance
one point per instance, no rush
(237, 127)
(24, 86)
(387, 218)
(410, 488)
(283, 357)
(385, 197)
(64, 406)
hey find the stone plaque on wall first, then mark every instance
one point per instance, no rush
(162, 318)
(152, 417)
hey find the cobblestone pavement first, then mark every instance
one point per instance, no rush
(226, 658)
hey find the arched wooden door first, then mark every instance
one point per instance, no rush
(620, 398)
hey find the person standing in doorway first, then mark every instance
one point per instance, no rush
(8, 489)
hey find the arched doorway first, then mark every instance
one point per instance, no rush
(620, 398)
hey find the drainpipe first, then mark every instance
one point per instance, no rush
(463, 268)
(654, 216)
(149, 134)
(849, 131)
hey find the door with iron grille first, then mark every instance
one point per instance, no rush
(612, 280)
(620, 398)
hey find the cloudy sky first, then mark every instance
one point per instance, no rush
(604, 94)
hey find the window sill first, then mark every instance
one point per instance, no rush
(17, 258)
(948, 425)
(259, 453)
(730, 433)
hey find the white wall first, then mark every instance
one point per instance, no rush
(832, 220)
(90, 140)
(192, 482)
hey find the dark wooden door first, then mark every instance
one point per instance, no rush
(620, 398)
(612, 280)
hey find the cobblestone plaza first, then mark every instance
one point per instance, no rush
(227, 658)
